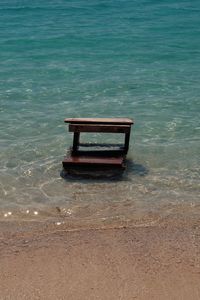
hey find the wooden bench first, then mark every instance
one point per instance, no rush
(97, 158)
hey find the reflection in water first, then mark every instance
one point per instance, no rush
(132, 169)
(91, 175)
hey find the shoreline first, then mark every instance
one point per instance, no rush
(150, 261)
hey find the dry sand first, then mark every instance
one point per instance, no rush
(160, 261)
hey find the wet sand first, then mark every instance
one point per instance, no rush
(149, 261)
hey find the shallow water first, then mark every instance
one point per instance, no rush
(137, 59)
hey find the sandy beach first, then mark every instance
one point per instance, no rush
(150, 261)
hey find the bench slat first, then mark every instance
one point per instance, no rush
(99, 128)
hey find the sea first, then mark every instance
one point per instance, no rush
(102, 58)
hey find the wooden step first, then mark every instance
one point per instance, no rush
(92, 161)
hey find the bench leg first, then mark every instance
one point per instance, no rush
(76, 141)
(126, 143)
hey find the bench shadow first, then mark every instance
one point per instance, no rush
(86, 176)
(136, 169)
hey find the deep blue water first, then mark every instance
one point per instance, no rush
(137, 59)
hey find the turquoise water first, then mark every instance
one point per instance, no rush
(137, 59)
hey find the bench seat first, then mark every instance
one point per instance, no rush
(108, 121)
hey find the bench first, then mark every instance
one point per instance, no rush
(95, 158)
